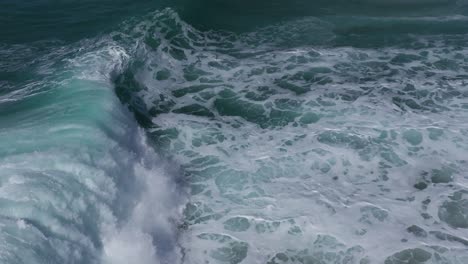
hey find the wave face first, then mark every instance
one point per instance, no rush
(78, 181)
(235, 132)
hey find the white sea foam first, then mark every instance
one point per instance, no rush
(297, 154)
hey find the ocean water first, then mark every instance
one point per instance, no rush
(225, 132)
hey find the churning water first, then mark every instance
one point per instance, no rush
(210, 131)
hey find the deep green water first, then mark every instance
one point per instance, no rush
(215, 131)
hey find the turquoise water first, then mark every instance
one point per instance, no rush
(213, 131)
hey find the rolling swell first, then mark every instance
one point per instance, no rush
(244, 15)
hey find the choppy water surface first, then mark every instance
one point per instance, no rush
(218, 132)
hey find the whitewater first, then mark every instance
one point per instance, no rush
(220, 132)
